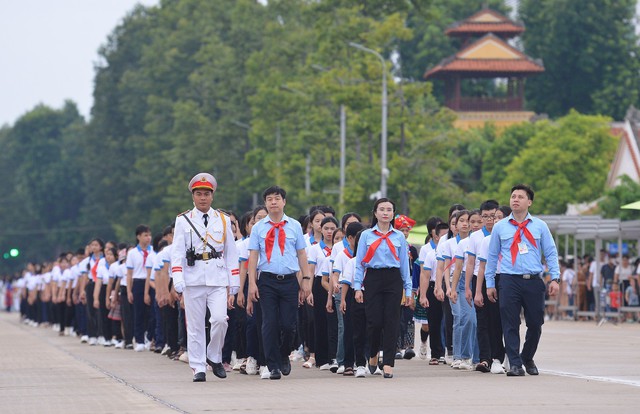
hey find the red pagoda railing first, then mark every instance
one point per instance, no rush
(485, 104)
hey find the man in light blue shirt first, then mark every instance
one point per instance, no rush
(277, 251)
(519, 242)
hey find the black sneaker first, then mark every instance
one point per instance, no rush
(275, 374)
(409, 353)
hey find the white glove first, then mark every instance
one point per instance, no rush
(179, 286)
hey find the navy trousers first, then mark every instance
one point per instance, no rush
(279, 304)
(516, 293)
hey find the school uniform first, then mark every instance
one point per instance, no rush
(319, 256)
(434, 312)
(464, 338)
(385, 259)
(139, 261)
(126, 308)
(446, 304)
(278, 285)
(355, 320)
(489, 324)
(89, 266)
(519, 248)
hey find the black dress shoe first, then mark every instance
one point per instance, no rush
(531, 368)
(409, 353)
(217, 368)
(200, 377)
(286, 367)
(515, 371)
(387, 375)
(275, 374)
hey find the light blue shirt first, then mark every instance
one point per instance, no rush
(281, 264)
(527, 263)
(383, 258)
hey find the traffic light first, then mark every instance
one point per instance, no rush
(5, 256)
(14, 252)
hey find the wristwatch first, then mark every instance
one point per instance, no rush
(556, 280)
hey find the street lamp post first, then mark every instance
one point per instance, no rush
(384, 172)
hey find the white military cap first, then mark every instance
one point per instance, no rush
(203, 181)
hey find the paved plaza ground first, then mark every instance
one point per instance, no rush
(584, 369)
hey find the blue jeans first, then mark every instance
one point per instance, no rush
(464, 331)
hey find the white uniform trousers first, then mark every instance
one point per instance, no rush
(196, 301)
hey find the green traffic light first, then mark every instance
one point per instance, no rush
(5, 256)
(14, 252)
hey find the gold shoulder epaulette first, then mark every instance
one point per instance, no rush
(183, 213)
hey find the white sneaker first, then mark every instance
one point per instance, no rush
(139, 348)
(238, 364)
(101, 340)
(506, 365)
(55, 327)
(66, 331)
(496, 367)
(361, 372)
(252, 366)
(340, 370)
(297, 355)
(165, 350)
(84, 339)
(264, 373)
(378, 371)
(93, 341)
(73, 333)
(147, 344)
(184, 357)
(448, 360)
(325, 367)
(114, 341)
(466, 364)
(119, 345)
(423, 350)
(456, 364)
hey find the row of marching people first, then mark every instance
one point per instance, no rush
(260, 292)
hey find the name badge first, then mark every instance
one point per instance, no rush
(522, 248)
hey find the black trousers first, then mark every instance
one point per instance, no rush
(92, 313)
(382, 296)
(126, 311)
(105, 323)
(279, 303)
(448, 323)
(321, 333)
(170, 319)
(434, 314)
(516, 293)
(355, 331)
(489, 327)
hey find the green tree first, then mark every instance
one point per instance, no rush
(566, 161)
(590, 52)
(628, 191)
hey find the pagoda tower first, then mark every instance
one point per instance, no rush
(486, 54)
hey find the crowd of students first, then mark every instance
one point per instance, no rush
(121, 295)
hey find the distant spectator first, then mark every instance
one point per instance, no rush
(623, 274)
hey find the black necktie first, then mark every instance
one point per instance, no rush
(205, 217)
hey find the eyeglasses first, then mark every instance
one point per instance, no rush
(488, 216)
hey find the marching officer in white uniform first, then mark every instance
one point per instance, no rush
(204, 266)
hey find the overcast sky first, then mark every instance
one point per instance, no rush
(48, 49)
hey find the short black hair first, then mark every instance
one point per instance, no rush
(354, 228)
(506, 210)
(142, 228)
(347, 216)
(274, 190)
(327, 209)
(167, 230)
(441, 226)
(489, 205)
(525, 188)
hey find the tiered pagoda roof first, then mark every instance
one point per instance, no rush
(489, 56)
(483, 22)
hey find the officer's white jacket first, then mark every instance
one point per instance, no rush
(213, 272)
